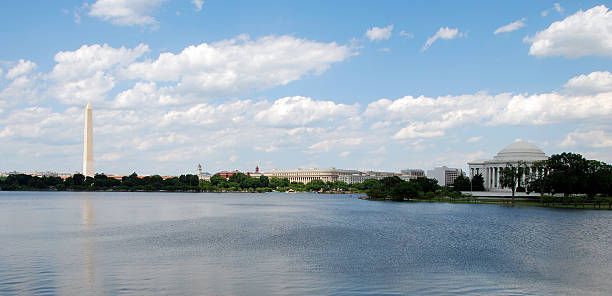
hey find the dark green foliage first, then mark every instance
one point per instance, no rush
(394, 188)
(462, 183)
(477, 183)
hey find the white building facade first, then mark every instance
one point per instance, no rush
(446, 176)
(328, 175)
(515, 153)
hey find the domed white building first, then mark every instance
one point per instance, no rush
(491, 169)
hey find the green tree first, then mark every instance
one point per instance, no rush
(567, 173)
(510, 177)
(477, 183)
(315, 185)
(264, 182)
(462, 183)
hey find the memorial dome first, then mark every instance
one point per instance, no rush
(521, 150)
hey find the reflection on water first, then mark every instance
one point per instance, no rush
(87, 211)
(294, 244)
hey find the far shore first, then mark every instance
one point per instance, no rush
(520, 202)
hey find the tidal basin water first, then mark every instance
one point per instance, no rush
(64, 243)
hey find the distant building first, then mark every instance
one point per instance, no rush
(256, 174)
(202, 175)
(328, 175)
(446, 176)
(519, 151)
(226, 174)
(410, 174)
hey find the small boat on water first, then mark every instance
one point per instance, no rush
(290, 191)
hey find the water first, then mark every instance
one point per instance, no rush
(62, 243)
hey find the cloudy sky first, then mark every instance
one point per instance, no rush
(382, 85)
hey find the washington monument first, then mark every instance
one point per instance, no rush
(88, 169)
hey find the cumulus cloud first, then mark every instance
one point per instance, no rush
(291, 111)
(513, 26)
(443, 33)
(378, 34)
(198, 4)
(88, 73)
(143, 116)
(425, 117)
(22, 68)
(144, 93)
(593, 83)
(90, 59)
(592, 138)
(77, 91)
(126, 12)
(239, 65)
(585, 33)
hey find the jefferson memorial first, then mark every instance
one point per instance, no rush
(511, 154)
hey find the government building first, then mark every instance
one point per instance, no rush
(328, 175)
(514, 153)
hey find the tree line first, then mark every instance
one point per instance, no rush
(237, 182)
(100, 182)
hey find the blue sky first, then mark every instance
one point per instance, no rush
(284, 84)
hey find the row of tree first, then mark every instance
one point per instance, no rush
(100, 182)
(238, 182)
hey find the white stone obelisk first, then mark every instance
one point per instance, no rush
(88, 161)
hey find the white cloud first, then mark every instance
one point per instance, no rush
(425, 117)
(378, 34)
(22, 68)
(198, 4)
(142, 94)
(591, 138)
(109, 156)
(585, 33)
(89, 73)
(406, 34)
(443, 33)
(380, 150)
(77, 91)
(334, 144)
(421, 130)
(240, 65)
(126, 12)
(511, 26)
(557, 7)
(593, 83)
(24, 88)
(345, 153)
(292, 111)
(474, 139)
(89, 59)
(77, 11)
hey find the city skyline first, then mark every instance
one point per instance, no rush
(286, 85)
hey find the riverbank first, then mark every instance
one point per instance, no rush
(507, 202)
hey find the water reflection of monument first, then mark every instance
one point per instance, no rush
(87, 225)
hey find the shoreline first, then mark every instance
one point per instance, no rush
(504, 202)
